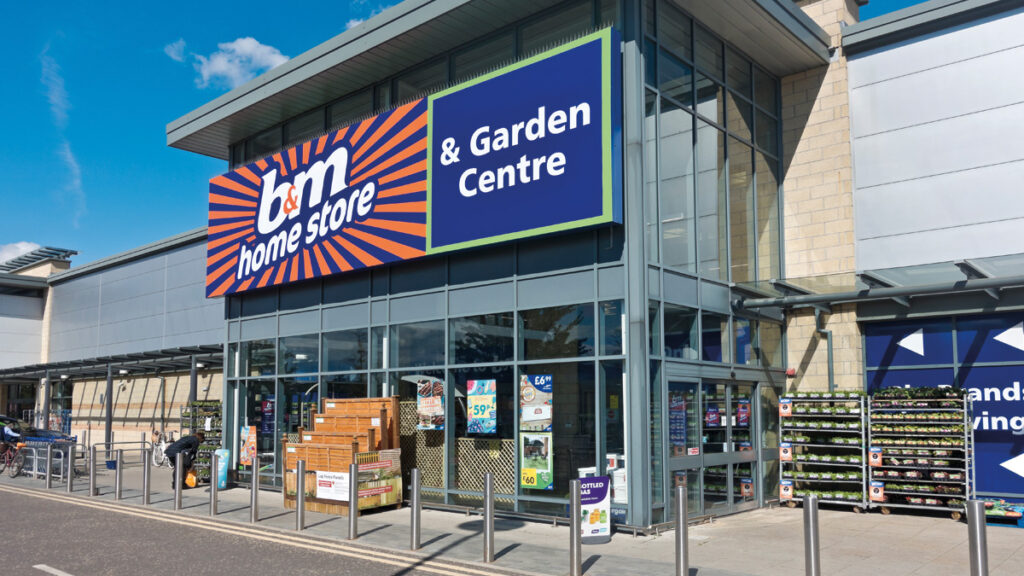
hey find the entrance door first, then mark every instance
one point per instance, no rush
(254, 405)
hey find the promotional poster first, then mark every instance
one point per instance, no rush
(535, 459)
(596, 502)
(429, 403)
(482, 400)
(535, 395)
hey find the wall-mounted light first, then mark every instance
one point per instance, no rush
(200, 365)
(122, 371)
(63, 376)
(302, 356)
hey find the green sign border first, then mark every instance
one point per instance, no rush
(607, 215)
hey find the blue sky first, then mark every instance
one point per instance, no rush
(878, 7)
(90, 87)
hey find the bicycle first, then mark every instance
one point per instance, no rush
(12, 459)
(160, 444)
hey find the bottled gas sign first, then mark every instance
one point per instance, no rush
(530, 149)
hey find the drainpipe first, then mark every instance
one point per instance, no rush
(819, 325)
(108, 420)
(193, 381)
(163, 401)
(45, 422)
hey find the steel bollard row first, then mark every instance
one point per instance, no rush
(49, 466)
(92, 471)
(353, 501)
(978, 540)
(118, 474)
(71, 468)
(146, 475)
(254, 496)
(488, 517)
(214, 469)
(179, 477)
(416, 508)
(812, 545)
(682, 534)
(300, 496)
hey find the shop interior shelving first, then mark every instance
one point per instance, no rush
(922, 442)
(825, 433)
(203, 416)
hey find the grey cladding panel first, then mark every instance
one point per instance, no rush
(124, 336)
(20, 307)
(259, 328)
(680, 289)
(556, 290)
(214, 337)
(116, 289)
(611, 283)
(147, 305)
(299, 323)
(481, 299)
(233, 332)
(714, 297)
(343, 317)
(413, 308)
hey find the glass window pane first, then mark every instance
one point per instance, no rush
(484, 57)
(770, 342)
(767, 133)
(345, 350)
(259, 358)
(678, 231)
(554, 28)
(609, 12)
(558, 332)
(710, 99)
(674, 29)
(765, 90)
(305, 127)
(739, 116)
(377, 347)
(299, 354)
(421, 80)
(478, 453)
(680, 332)
(710, 200)
(714, 413)
(738, 76)
(675, 78)
(417, 344)
(745, 341)
(351, 107)
(770, 410)
(654, 321)
(423, 449)
(649, 24)
(709, 53)
(484, 338)
(767, 232)
(651, 175)
(265, 143)
(650, 62)
(657, 437)
(232, 360)
(614, 413)
(612, 320)
(299, 400)
(713, 347)
(345, 386)
(573, 445)
(682, 418)
(741, 211)
(382, 96)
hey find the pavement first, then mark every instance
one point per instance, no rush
(766, 542)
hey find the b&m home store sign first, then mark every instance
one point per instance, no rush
(530, 149)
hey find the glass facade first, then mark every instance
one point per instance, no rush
(700, 415)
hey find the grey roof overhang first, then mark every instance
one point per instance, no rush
(918, 20)
(169, 360)
(8, 280)
(176, 241)
(775, 32)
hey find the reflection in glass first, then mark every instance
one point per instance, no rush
(677, 187)
(740, 116)
(651, 174)
(691, 480)
(674, 30)
(299, 354)
(741, 211)
(714, 413)
(742, 417)
(574, 19)
(417, 344)
(573, 428)
(657, 438)
(767, 232)
(680, 332)
(351, 107)
(654, 324)
(675, 78)
(770, 411)
(744, 483)
(557, 332)
(710, 55)
(259, 413)
(711, 210)
(713, 347)
(421, 449)
(738, 73)
(710, 99)
(299, 400)
(484, 338)
(377, 349)
(611, 327)
(614, 414)
(259, 357)
(477, 454)
(233, 360)
(745, 341)
(484, 57)
(683, 427)
(767, 136)
(305, 127)
(345, 386)
(345, 350)
(765, 90)
(421, 80)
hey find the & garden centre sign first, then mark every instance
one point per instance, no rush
(530, 149)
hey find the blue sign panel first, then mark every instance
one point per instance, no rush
(998, 427)
(990, 339)
(922, 378)
(528, 150)
(909, 343)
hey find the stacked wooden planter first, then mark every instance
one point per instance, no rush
(363, 430)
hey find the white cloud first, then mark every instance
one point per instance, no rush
(74, 185)
(380, 7)
(176, 50)
(235, 63)
(55, 92)
(354, 22)
(15, 249)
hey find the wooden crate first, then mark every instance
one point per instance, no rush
(313, 504)
(325, 457)
(368, 407)
(366, 442)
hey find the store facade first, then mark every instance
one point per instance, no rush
(621, 316)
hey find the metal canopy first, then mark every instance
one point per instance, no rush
(167, 361)
(777, 34)
(35, 257)
(989, 275)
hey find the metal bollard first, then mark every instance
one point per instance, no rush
(179, 478)
(147, 458)
(71, 467)
(214, 468)
(49, 466)
(92, 470)
(300, 496)
(812, 553)
(353, 501)
(575, 529)
(254, 496)
(976, 536)
(488, 517)
(118, 474)
(682, 534)
(415, 507)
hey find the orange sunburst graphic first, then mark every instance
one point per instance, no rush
(276, 220)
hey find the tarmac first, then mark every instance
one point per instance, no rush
(765, 542)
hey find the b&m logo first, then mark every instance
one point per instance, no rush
(527, 150)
